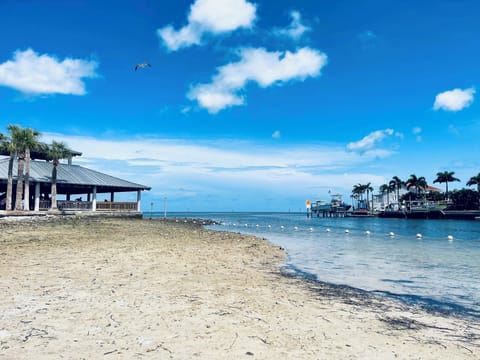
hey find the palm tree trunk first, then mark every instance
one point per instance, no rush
(54, 187)
(8, 204)
(26, 205)
(20, 166)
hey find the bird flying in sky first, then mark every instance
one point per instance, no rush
(142, 65)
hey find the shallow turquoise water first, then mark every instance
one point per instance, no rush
(431, 270)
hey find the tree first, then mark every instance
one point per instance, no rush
(55, 152)
(368, 188)
(30, 142)
(22, 141)
(474, 180)
(385, 189)
(397, 184)
(8, 145)
(445, 177)
(418, 182)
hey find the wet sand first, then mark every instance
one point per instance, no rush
(88, 288)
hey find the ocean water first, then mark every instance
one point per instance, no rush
(439, 270)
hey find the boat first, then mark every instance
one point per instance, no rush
(335, 208)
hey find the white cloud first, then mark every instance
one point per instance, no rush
(296, 29)
(417, 131)
(454, 100)
(276, 134)
(370, 140)
(209, 17)
(260, 66)
(32, 73)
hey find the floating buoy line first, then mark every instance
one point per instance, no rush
(368, 233)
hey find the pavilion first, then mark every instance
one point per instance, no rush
(72, 180)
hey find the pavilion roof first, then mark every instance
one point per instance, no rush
(74, 176)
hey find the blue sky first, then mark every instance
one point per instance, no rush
(248, 105)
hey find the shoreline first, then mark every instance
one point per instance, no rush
(95, 287)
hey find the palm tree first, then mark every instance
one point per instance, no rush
(385, 189)
(9, 146)
(16, 135)
(368, 188)
(22, 141)
(30, 142)
(397, 184)
(419, 183)
(359, 190)
(474, 180)
(445, 177)
(55, 152)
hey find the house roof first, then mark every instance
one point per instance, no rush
(74, 177)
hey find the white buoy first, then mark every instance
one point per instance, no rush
(311, 229)
(257, 225)
(246, 225)
(347, 231)
(295, 227)
(269, 226)
(327, 230)
(391, 234)
(234, 224)
(450, 237)
(367, 232)
(419, 236)
(282, 227)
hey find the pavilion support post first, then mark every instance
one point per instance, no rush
(139, 197)
(94, 200)
(37, 197)
(112, 196)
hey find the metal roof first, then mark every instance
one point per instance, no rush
(71, 175)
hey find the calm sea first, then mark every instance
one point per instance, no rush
(439, 270)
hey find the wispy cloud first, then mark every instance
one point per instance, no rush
(417, 131)
(260, 66)
(369, 141)
(36, 74)
(206, 167)
(276, 134)
(209, 17)
(296, 28)
(454, 100)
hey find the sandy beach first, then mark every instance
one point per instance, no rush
(90, 288)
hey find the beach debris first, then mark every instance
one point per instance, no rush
(249, 353)
(419, 236)
(142, 65)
